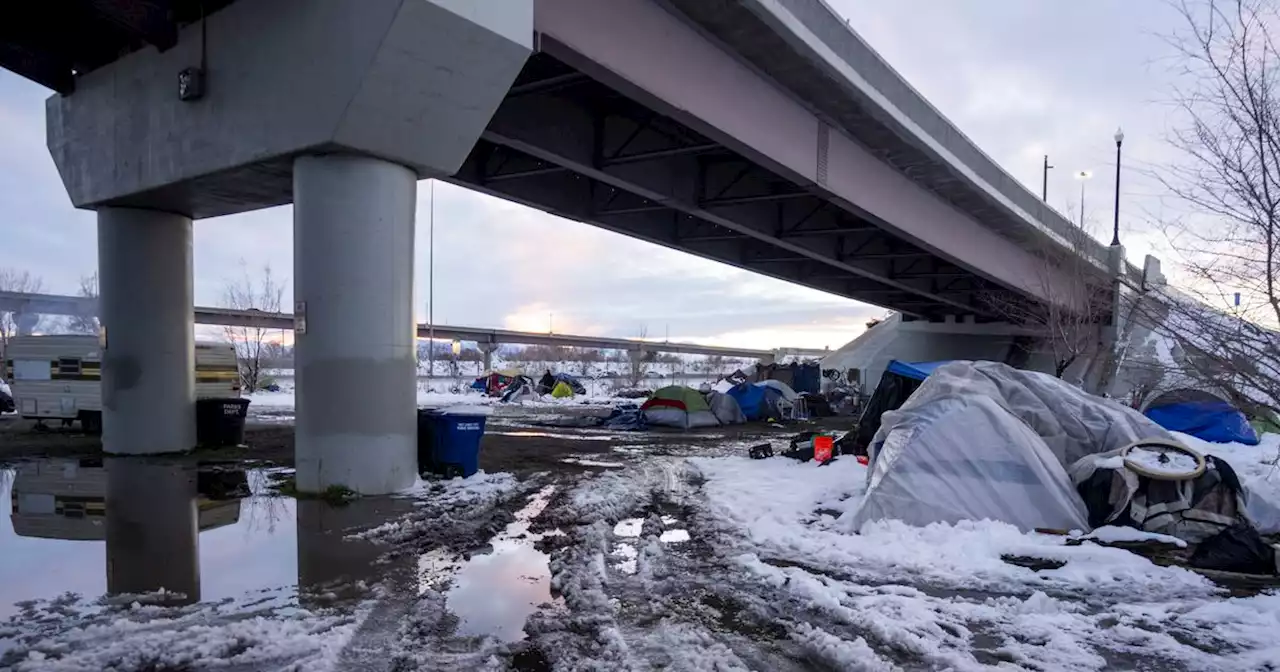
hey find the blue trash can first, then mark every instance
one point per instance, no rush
(449, 442)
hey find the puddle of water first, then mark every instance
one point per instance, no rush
(674, 536)
(557, 435)
(493, 594)
(629, 527)
(627, 554)
(206, 533)
(592, 463)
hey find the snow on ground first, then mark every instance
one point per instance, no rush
(70, 634)
(768, 574)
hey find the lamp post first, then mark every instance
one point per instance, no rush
(1115, 226)
(1083, 176)
(1044, 177)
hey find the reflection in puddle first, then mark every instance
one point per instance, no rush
(493, 594)
(199, 532)
(626, 554)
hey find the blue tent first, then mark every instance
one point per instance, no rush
(751, 399)
(1203, 416)
(914, 370)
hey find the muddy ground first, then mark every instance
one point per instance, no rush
(520, 442)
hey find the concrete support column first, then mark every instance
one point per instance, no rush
(148, 364)
(353, 288)
(487, 349)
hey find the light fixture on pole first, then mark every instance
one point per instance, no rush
(1083, 176)
(1115, 225)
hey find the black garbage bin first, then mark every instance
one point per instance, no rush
(220, 422)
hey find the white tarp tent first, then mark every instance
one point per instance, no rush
(984, 440)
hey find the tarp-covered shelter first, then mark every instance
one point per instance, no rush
(495, 383)
(984, 440)
(1202, 415)
(679, 406)
(897, 384)
(521, 388)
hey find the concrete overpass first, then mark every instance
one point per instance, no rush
(760, 133)
(487, 339)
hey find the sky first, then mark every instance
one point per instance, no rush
(1020, 79)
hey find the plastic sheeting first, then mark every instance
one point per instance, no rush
(966, 457)
(1072, 422)
(1215, 421)
(985, 440)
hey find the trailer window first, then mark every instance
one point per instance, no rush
(31, 369)
(69, 366)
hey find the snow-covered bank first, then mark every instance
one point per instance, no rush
(942, 594)
(284, 400)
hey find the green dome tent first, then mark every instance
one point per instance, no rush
(679, 406)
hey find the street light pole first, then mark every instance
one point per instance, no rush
(1044, 184)
(431, 284)
(1115, 226)
(1083, 176)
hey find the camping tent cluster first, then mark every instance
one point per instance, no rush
(513, 386)
(686, 408)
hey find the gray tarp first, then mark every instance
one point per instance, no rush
(984, 440)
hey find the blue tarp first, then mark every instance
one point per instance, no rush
(1216, 421)
(751, 400)
(914, 370)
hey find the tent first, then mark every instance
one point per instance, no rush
(562, 390)
(521, 388)
(725, 408)
(574, 384)
(782, 388)
(495, 382)
(984, 440)
(897, 384)
(751, 400)
(679, 406)
(1202, 415)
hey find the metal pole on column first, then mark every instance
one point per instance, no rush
(1115, 222)
(431, 286)
(1044, 184)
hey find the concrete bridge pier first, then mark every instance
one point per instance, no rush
(353, 283)
(148, 367)
(487, 349)
(276, 115)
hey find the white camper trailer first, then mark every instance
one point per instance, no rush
(58, 377)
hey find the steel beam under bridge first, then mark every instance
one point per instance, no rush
(52, 304)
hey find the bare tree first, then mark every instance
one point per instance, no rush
(13, 280)
(1226, 182)
(1077, 302)
(86, 322)
(263, 293)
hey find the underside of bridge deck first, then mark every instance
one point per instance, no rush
(570, 145)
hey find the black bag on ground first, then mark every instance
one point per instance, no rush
(1236, 549)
